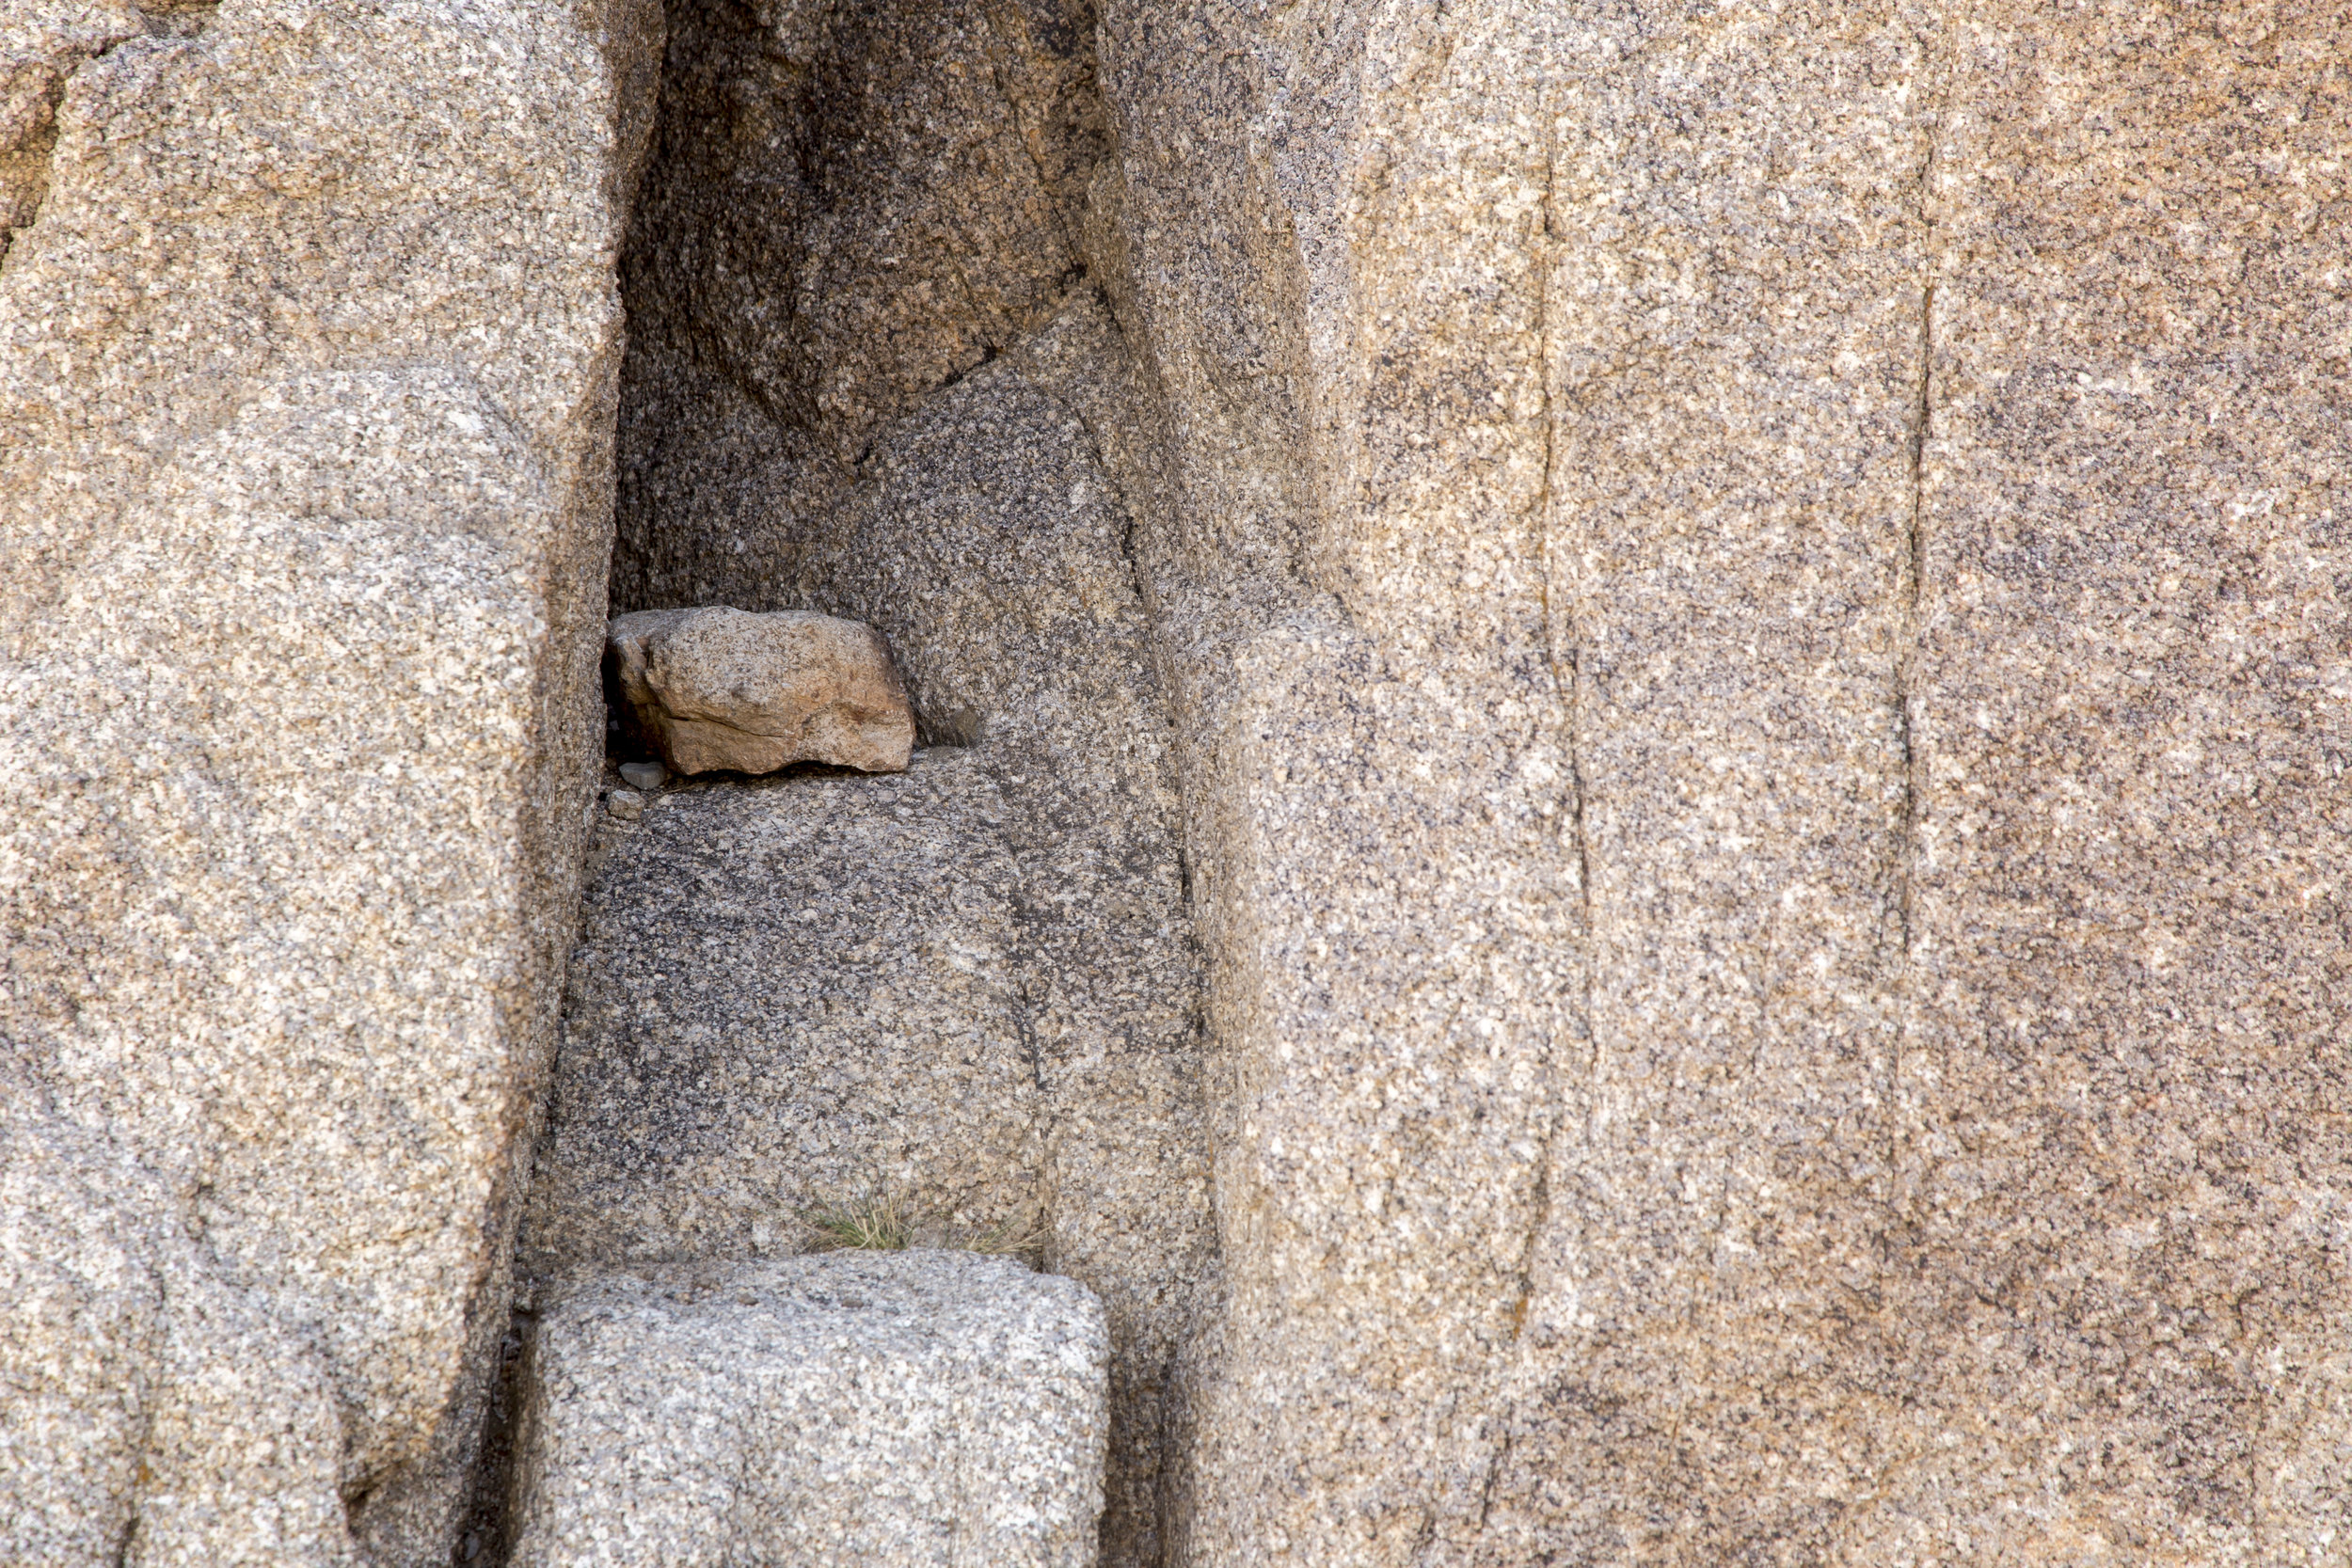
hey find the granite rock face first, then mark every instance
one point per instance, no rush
(307, 368)
(1789, 1017)
(969, 989)
(927, 1409)
(43, 43)
(713, 689)
(1632, 719)
(847, 208)
(157, 1412)
(792, 993)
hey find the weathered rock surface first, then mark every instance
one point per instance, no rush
(155, 1412)
(929, 1409)
(970, 987)
(714, 690)
(306, 385)
(1788, 1013)
(787, 993)
(848, 207)
(43, 43)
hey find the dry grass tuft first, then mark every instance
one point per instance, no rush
(882, 1225)
(861, 1224)
(1022, 1237)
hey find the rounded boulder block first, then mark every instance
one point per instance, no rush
(919, 1409)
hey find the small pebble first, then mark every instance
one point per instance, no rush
(644, 775)
(626, 804)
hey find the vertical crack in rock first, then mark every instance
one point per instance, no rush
(1905, 848)
(1961, 1172)
(1914, 567)
(1561, 664)
(1913, 562)
(1565, 692)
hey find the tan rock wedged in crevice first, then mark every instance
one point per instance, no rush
(1633, 726)
(714, 690)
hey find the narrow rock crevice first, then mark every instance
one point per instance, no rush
(1561, 656)
(969, 990)
(1913, 571)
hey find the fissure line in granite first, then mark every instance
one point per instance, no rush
(1566, 691)
(1914, 567)
(1563, 666)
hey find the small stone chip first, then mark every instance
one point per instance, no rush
(626, 804)
(644, 775)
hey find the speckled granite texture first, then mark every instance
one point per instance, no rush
(922, 1409)
(971, 989)
(306, 370)
(847, 208)
(1632, 716)
(1765, 831)
(791, 992)
(155, 1412)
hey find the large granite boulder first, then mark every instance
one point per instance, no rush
(1756, 602)
(306, 370)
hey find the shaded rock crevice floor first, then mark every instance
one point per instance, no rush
(790, 992)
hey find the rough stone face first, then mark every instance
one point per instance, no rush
(42, 44)
(847, 208)
(714, 690)
(790, 992)
(927, 1408)
(2128, 934)
(970, 987)
(157, 1412)
(1815, 612)
(305, 382)
(1376, 785)
(990, 543)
